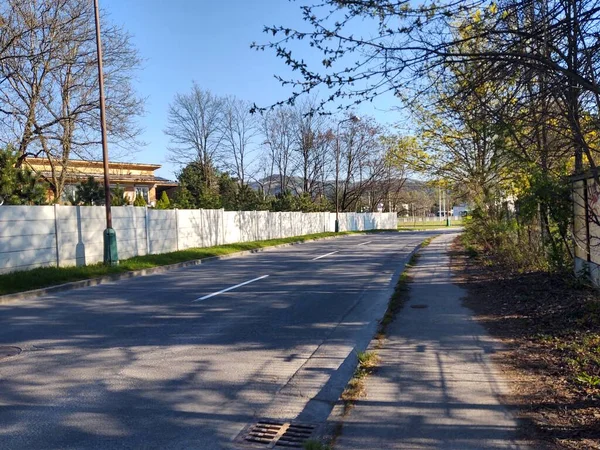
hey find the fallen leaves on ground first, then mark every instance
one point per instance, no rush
(550, 324)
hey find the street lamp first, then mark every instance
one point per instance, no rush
(111, 257)
(354, 119)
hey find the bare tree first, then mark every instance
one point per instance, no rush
(411, 41)
(194, 127)
(277, 129)
(50, 91)
(238, 127)
(311, 143)
(362, 161)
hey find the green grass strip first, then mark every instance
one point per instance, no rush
(42, 277)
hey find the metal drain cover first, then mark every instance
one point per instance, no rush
(268, 433)
(6, 352)
(419, 306)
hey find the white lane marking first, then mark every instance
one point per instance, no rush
(229, 288)
(364, 243)
(323, 256)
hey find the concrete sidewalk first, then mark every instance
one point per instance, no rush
(435, 388)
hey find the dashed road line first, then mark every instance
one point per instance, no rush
(229, 289)
(326, 254)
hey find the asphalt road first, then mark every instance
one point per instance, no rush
(162, 362)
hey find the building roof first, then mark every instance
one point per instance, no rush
(112, 164)
(116, 179)
(119, 172)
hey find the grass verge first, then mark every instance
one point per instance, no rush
(367, 362)
(51, 276)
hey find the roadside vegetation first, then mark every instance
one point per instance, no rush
(52, 276)
(367, 362)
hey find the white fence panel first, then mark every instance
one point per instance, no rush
(162, 230)
(34, 236)
(27, 238)
(130, 226)
(232, 231)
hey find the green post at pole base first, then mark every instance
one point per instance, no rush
(337, 226)
(111, 256)
(447, 221)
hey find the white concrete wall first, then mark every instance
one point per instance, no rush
(36, 236)
(27, 237)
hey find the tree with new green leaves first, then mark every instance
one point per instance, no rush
(19, 185)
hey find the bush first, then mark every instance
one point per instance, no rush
(164, 202)
(19, 185)
(88, 193)
(139, 201)
(118, 197)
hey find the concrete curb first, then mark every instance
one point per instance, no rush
(8, 298)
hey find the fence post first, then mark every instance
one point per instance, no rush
(256, 237)
(56, 235)
(147, 226)
(177, 228)
(222, 240)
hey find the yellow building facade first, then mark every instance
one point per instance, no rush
(134, 178)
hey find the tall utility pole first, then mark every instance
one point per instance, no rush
(440, 201)
(111, 256)
(446, 206)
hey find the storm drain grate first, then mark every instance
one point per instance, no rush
(277, 434)
(419, 306)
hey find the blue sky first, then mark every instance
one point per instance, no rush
(209, 42)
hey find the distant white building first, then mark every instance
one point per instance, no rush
(460, 210)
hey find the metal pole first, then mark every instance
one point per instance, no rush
(440, 202)
(110, 237)
(448, 209)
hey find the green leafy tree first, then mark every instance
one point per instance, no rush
(19, 185)
(198, 192)
(183, 199)
(118, 197)
(284, 201)
(228, 190)
(249, 199)
(163, 202)
(88, 193)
